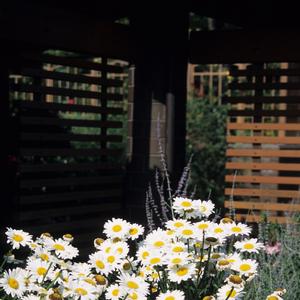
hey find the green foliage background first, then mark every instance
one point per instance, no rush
(206, 141)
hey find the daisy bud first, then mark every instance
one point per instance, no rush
(126, 266)
(98, 242)
(226, 221)
(211, 241)
(55, 296)
(100, 279)
(68, 237)
(208, 298)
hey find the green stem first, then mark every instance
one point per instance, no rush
(47, 272)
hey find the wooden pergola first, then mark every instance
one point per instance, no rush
(157, 45)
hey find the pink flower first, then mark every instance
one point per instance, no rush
(273, 249)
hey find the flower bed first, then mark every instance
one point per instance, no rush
(191, 257)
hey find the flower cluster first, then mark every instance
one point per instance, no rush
(191, 257)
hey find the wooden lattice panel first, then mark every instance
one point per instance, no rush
(68, 133)
(263, 136)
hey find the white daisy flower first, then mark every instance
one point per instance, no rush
(98, 242)
(116, 228)
(39, 269)
(133, 283)
(158, 239)
(62, 248)
(83, 290)
(13, 282)
(181, 258)
(248, 245)
(171, 295)
(274, 296)
(218, 230)
(234, 257)
(43, 254)
(120, 248)
(136, 296)
(68, 237)
(101, 262)
(187, 232)
(18, 238)
(235, 281)
(178, 247)
(155, 258)
(181, 273)
(135, 231)
(238, 229)
(114, 292)
(203, 226)
(184, 207)
(229, 292)
(143, 254)
(31, 297)
(245, 266)
(204, 208)
(176, 224)
(81, 269)
(223, 264)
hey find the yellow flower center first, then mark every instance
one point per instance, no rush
(115, 292)
(18, 238)
(145, 254)
(133, 231)
(218, 230)
(126, 266)
(236, 229)
(223, 262)
(58, 247)
(182, 271)
(134, 296)
(203, 208)
(170, 298)
(177, 249)
(68, 236)
(170, 232)
(235, 279)
(132, 285)
(176, 260)
(178, 224)
(207, 298)
(107, 250)
(159, 244)
(231, 293)
(248, 246)
(41, 271)
(117, 228)
(13, 283)
(245, 267)
(99, 241)
(215, 256)
(90, 281)
(111, 259)
(203, 226)
(100, 279)
(186, 204)
(100, 264)
(154, 260)
(44, 256)
(81, 291)
(187, 232)
(272, 297)
(120, 250)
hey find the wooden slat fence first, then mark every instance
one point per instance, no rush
(68, 114)
(263, 137)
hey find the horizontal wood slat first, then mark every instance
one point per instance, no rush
(263, 72)
(262, 153)
(262, 166)
(67, 211)
(74, 62)
(264, 126)
(260, 99)
(68, 152)
(263, 179)
(36, 73)
(263, 140)
(66, 181)
(69, 196)
(264, 86)
(257, 219)
(63, 92)
(263, 113)
(70, 167)
(69, 137)
(264, 206)
(68, 107)
(261, 193)
(70, 122)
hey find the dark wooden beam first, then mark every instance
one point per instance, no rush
(37, 26)
(241, 46)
